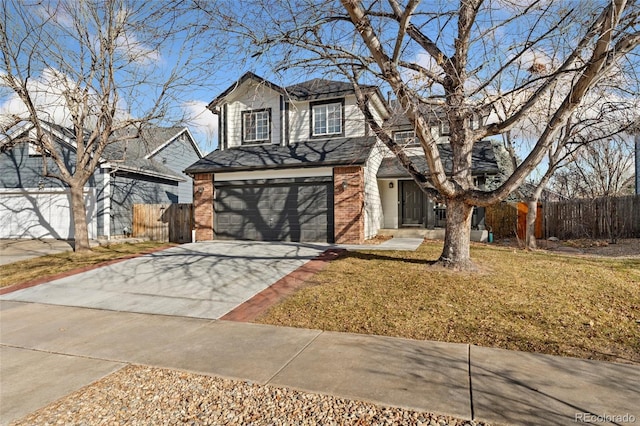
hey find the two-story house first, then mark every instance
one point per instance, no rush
(299, 163)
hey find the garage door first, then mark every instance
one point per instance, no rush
(41, 214)
(275, 210)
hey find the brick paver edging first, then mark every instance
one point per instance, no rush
(285, 286)
(48, 278)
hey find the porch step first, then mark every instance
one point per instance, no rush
(432, 234)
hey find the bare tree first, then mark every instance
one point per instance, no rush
(603, 168)
(601, 171)
(96, 67)
(600, 117)
(467, 56)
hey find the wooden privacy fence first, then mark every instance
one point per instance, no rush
(163, 222)
(617, 217)
(506, 220)
(502, 219)
(600, 218)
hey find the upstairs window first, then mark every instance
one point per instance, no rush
(326, 119)
(256, 126)
(34, 150)
(405, 137)
(444, 128)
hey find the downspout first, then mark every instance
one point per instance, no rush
(225, 129)
(219, 113)
(106, 204)
(637, 140)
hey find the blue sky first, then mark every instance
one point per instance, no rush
(225, 62)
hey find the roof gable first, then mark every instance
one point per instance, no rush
(171, 139)
(317, 88)
(247, 77)
(128, 154)
(61, 135)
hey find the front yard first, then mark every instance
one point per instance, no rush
(538, 302)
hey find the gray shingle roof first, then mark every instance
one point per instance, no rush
(319, 88)
(329, 152)
(131, 153)
(483, 162)
(434, 113)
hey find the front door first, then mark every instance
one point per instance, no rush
(412, 205)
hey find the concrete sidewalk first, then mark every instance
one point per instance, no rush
(48, 351)
(407, 244)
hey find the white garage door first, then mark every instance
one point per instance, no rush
(41, 214)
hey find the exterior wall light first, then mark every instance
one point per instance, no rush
(344, 184)
(390, 185)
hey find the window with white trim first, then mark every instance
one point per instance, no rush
(256, 126)
(34, 150)
(326, 119)
(405, 137)
(444, 128)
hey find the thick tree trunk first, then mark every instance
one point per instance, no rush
(457, 237)
(79, 211)
(532, 214)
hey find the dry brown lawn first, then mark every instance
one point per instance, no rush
(530, 301)
(27, 270)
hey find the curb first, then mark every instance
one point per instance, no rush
(285, 286)
(49, 278)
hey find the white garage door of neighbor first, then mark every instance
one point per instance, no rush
(42, 214)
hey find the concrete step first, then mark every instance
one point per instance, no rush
(432, 234)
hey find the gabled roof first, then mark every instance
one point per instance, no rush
(483, 162)
(317, 88)
(180, 131)
(247, 76)
(130, 156)
(127, 155)
(331, 152)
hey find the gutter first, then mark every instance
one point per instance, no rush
(143, 172)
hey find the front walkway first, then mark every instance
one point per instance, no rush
(49, 351)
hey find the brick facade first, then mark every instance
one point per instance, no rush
(348, 193)
(203, 205)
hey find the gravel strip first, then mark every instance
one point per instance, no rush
(138, 395)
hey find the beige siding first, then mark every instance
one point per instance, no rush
(252, 96)
(300, 120)
(354, 120)
(389, 198)
(417, 149)
(377, 112)
(275, 174)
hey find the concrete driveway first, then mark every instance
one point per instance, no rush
(199, 280)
